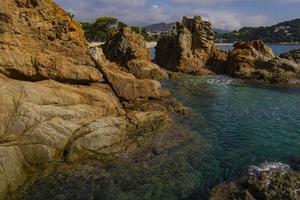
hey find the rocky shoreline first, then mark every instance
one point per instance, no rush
(72, 114)
(190, 48)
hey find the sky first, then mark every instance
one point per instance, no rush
(223, 14)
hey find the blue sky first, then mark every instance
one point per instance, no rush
(225, 14)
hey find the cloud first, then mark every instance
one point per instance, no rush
(233, 21)
(134, 12)
(223, 2)
(143, 12)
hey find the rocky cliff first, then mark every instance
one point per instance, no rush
(128, 49)
(255, 61)
(63, 103)
(190, 48)
(41, 41)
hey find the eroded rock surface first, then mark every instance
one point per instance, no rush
(190, 48)
(128, 49)
(41, 41)
(265, 182)
(255, 61)
(126, 85)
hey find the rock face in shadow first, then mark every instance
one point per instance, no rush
(255, 61)
(41, 41)
(128, 49)
(265, 182)
(293, 55)
(190, 48)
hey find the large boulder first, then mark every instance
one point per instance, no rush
(253, 60)
(265, 182)
(128, 49)
(126, 86)
(38, 120)
(41, 41)
(293, 55)
(190, 48)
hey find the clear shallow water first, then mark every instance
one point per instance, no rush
(277, 48)
(244, 124)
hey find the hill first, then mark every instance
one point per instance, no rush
(167, 27)
(160, 27)
(284, 32)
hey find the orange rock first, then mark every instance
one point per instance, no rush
(128, 49)
(190, 48)
(42, 41)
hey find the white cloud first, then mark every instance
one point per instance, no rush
(142, 12)
(223, 2)
(232, 21)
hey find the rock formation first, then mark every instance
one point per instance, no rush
(265, 182)
(61, 102)
(255, 61)
(41, 41)
(293, 55)
(190, 48)
(125, 84)
(128, 49)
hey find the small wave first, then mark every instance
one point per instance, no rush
(221, 80)
(268, 167)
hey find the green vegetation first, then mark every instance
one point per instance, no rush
(103, 27)
(288, 31)
(136, 29)
(2, 31)
(149, 37)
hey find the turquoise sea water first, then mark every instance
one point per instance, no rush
(277, 48)
(243, 124)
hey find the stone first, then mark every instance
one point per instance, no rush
(255, 61)
(190, 48)
(143, 69)
(97, 137)
(128, 87)
(128, 49)
(38, 120)
(12, 169)
(41, 41)
(125, 85)
(264, 182)
(293, 55)
(124, 46)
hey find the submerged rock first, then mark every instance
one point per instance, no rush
(265, 182)
(128, 49)
(255, 61)
(190, 48)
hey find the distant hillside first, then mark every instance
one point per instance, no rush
(161, 27)
(167, 27)
(288, 31)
